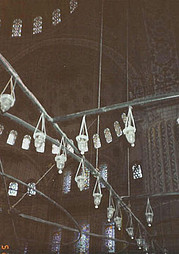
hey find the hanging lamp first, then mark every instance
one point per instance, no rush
(80, 177)
(130, 227)
(97, 193)
(139, 240)
(40, 135)
(130, 129)
(7, 100)
(149, 213)
(82, 138)
(117, 217)
(110, 208)
(61, 157)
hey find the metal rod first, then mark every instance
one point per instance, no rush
(34, 100)
(51, 201)
(136, 102)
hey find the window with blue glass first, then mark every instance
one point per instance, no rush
(103, 168)
(56, 241)
(82, 246)
(67, 182)
(109, 245)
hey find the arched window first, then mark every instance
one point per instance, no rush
(73, 5)
(83, 244)
(56, 240)
(37, 25)
(87, 181)
(26, 142)
(137, 171)
(67, 182)
(17, 28)
(56, 17)
(109, 245)
(12, 137)
(104, 173)
(1, 129)
(108, 136)
(13, 188)
(31, 190)
(117, 128)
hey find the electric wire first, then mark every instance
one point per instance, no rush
(99, 78)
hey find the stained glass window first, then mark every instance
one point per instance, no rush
(110, 232)
(108, 136)
(104, 173)
(13, 188)
(82, 247)
(67, 182)
(17, 28)
(137, 171)
(26, 142)
(56, 240)
(96, 141)
(37, 25)
(1, 129)
(12, 138)
(32, 190)
(56, 17)
(87, 181)
(117, 128)
(73, 5)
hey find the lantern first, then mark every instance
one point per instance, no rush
(40, 135)
(149, 213)
(61, 157)
(110, 208)
(96, 141)
(82, 138)
(97, 193)
(130, 129)
(129, 227)
(117, 218)
(80, 177)
(7, 100)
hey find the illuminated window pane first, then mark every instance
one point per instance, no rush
(26, 142)
(56, 17)
(41, 149)
(32, 190)
(117, 128)
(82, 247)
(17, 28)
(96, 141)
(1, 129)
(67, 182)
(137, 171)
(104, 173)
(69, 147)
(73, 5)
(124, 117)
(87, 181)
(12, 138)
(110, 232)
(13, 188)
(108, 136)
(37, 25)
(56, 240)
